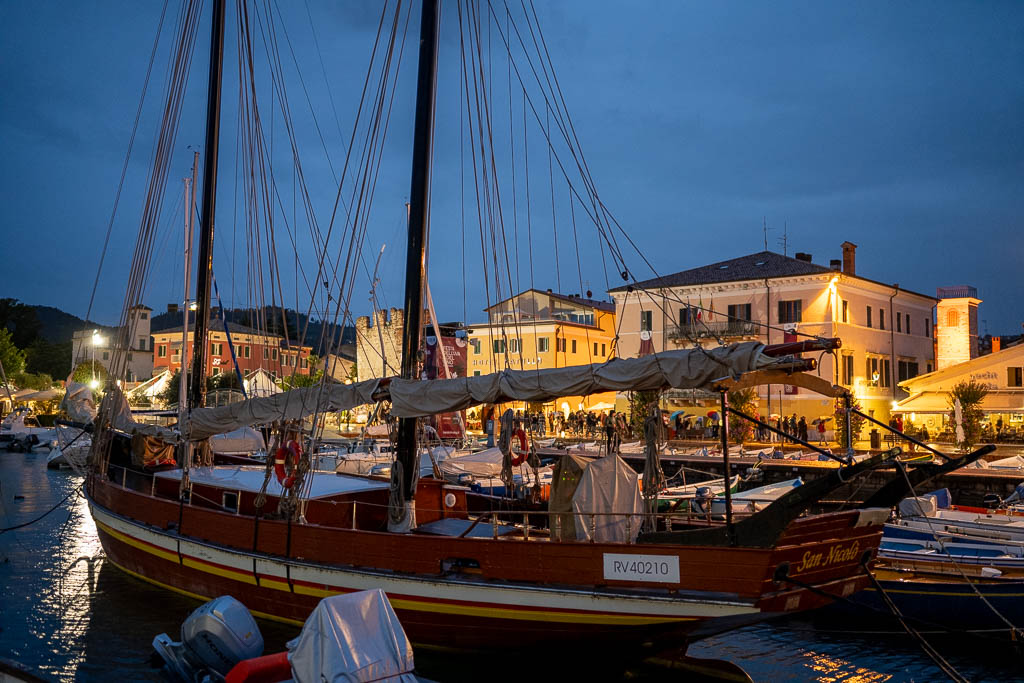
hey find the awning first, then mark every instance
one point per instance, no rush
(938, 402)
(36, 395)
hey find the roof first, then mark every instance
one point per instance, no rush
(964, 369)
(216, 325)
(606, 306)
(758, 266)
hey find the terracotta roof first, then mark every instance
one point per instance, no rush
(759, 266)
(763, 264)
(593, 303)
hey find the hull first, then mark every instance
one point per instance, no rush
(467, 593)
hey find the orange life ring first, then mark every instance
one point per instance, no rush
(286, 460)
(519, 454)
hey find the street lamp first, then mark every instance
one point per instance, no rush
(96, 341)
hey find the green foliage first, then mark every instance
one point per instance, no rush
(296, 381)
(28, 380)
(640, 403)
(744, 400)
(20, 320)
(971, 395)
(225, 381)
(856, 422)
(11, 356)
(87, 370)
(49, 358)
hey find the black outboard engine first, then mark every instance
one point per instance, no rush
(214, 638)
(702, 498)
(24, 444)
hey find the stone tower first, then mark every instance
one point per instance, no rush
(372, 358)
(956, 325)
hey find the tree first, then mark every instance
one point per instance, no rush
(971, 394)
(86, 371)
(11, 356)
(46, 357)
(856, 422)
(20, 320)
(296, 381)
(28, 380)
(640, 403)
(745, 401)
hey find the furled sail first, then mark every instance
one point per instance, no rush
(680, 369)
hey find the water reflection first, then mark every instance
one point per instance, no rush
(71, 615)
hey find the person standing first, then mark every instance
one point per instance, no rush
(821, 432)
(802, 428)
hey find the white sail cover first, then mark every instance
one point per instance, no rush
(680, 369)
(243, 440)
(607, 502)
(114, 408)
(78, 403)
(353, 637)
(289, 405)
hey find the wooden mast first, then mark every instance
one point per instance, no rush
(403, 519)
(197, 392)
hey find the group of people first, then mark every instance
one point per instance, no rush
(612, 426)
(794, 428)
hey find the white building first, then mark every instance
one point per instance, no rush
(100, 345)
(886, 331)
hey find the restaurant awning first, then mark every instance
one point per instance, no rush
(937, 402)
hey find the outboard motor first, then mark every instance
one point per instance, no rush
(1015, 497)
(702, 499)
(214, 638)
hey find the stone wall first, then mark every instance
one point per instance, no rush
(379, 344)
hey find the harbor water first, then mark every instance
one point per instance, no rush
(69, 615)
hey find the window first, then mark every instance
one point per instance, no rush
(739, 312)
(952, 319)
(1014, 377)
(595, 348)
(848, 370)
(303, 363)
(216, 370)
(881, 318)
(869, 316)
(273, 354)
(560, 345)
(791, 311)
(573, 346)
(686, 316)
(929, 367)
(216, 348)
(475, 343)
(846, 311)
(927, 327)
(907, 319)
(646, 324)
(266, 353)
(498, 346)
(106, 355)
(543, 345)
(143, 316)
(602, 350)
(245, 352)
(161, 351)
(513, 345)
(906, 369)
(886, 371)
(229, 501)
(142, 343)
(899, 321)
(476, 373)
(872, 371)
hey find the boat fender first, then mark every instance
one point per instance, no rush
(265, 669)
(519, 454)
(286, 461)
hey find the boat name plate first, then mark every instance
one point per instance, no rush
(657, 568)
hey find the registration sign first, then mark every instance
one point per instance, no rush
(657, 568)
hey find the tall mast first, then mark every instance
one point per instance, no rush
(204, 267)
(404, 518)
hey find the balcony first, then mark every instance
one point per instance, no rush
(725, 329)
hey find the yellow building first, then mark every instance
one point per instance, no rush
(543, 329)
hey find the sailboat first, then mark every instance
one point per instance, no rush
(605, 571)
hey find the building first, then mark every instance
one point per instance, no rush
(543, 329)
(956, 326)
(1002, 372)
(379, 344)
(102, 345)
(886, 331)
(254, 350)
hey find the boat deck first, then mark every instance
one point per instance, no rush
(250, 479)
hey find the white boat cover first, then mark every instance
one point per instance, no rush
(680, 369)
(353, 637)
(486, 463)
(243, 440)
(608, 485)
(78, 403)
(115, 407)
(922, 506)
(1014, 462)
